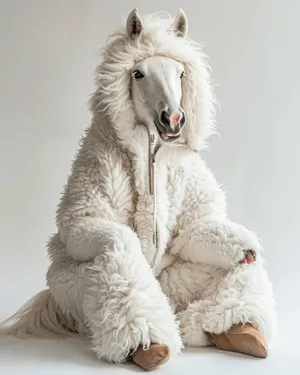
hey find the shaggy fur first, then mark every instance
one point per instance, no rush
(106, 278)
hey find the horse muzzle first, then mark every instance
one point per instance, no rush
(170, 124)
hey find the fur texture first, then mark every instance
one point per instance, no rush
(105, 275)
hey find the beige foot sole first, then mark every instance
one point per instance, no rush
(242, 339)
(151, 358)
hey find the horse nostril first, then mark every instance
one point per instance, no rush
(183, 119)
(164, 118)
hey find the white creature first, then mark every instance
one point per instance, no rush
(145, 260)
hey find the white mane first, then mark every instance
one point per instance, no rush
(113, 79)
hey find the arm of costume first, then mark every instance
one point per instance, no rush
(92, 215)
(205, 234)
(85, 237)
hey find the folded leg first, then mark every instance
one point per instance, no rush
(116, 298)
(212, 300)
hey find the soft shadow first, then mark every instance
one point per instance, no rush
(212, 350)
(69, 351)
(78, 352)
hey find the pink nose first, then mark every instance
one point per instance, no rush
(175, 119)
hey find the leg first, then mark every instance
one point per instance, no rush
(244, 295)
(220, 300)
(117, 299)
(186, 284)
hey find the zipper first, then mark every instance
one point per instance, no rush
(152, 189)
(152, 185)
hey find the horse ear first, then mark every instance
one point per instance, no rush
(134, 25)
(180, 24)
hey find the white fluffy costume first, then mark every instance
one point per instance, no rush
(108, 279)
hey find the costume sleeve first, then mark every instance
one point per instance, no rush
(205, 234)
(92, 213)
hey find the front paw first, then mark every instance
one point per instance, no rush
(249, 257)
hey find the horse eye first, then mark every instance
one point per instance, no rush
(138, 75)
(182, 74)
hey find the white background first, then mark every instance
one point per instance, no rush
(49, 49)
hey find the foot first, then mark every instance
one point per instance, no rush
(250, 257)
(155, 356)
(242, 339)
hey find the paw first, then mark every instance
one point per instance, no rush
(249, 257)
(242, 339)
(155, 356)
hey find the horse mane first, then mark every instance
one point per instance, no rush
(112, 97)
